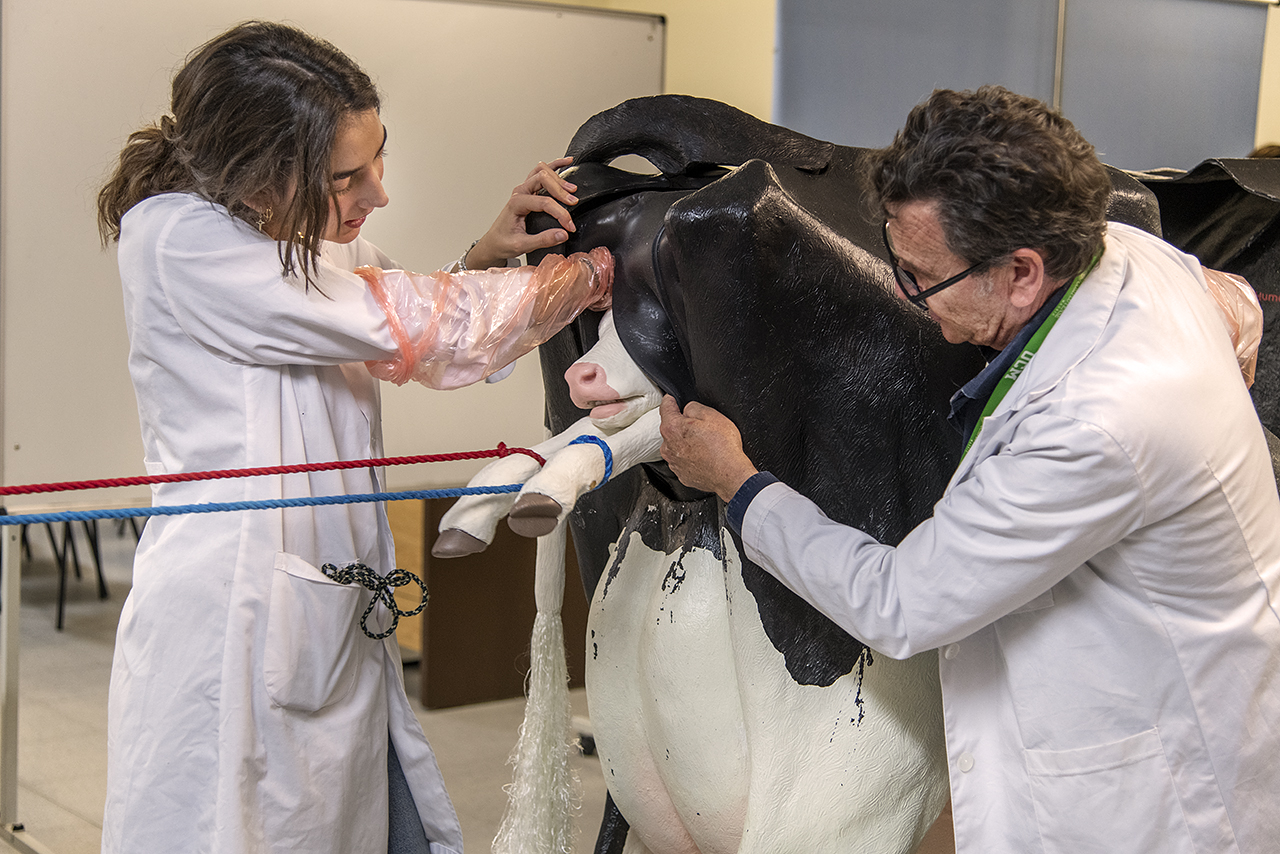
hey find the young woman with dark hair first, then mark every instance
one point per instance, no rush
(248, 711)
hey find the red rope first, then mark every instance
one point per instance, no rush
(501, 451)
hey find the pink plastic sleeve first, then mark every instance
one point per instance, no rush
(453, 329)
(1242, 314)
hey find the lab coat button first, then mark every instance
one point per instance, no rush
(965, 763)
(951, 651)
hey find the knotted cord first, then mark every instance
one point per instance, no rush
(383, 588)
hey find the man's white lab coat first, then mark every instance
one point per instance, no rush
(1101, 579)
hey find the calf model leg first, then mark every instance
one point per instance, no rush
(575, 470)
(469, 525)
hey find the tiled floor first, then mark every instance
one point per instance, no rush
(62, 719)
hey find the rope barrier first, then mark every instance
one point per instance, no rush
(501, 451)
(383, 587)
(263, 504)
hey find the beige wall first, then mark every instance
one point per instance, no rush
(720, 49)
(1269, 94)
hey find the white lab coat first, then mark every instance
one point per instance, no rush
(1101, 579)
(248, 712)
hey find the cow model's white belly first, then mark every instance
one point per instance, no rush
(708, 745)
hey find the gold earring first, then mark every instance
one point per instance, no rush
(264, 217)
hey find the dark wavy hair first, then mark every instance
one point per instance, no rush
(1006, 171)
(254, 111)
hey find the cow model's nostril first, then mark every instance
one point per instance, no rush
(580, 373)
(577, 378)
(588, 384)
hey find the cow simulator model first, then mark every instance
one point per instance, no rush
(730, 716)
(708, 743)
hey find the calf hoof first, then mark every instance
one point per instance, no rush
(534, 515)
(454, 542)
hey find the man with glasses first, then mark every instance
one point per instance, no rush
(1102, 576)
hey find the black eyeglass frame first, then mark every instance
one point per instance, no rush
(907, 281)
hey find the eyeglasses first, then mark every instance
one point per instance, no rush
(907, 281)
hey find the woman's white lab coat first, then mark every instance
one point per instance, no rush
(1101, 579)
(248, 712)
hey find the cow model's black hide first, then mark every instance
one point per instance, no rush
(1227, 214)
(751, 276)
(759, 290)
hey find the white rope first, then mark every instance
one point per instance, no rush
(544, 794)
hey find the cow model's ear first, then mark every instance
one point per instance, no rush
(678, 132)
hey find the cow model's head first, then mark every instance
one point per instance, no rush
(608, 382)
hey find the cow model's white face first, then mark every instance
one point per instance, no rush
(609, 383)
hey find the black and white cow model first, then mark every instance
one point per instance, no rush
(750, 275)
(707, 741)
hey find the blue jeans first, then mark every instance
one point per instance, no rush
(405, 835)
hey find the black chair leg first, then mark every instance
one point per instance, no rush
(91, 532)
(61, 555)
(53, 542)
(69, 547)
(66, 552)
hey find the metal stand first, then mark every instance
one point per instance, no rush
(11, 830)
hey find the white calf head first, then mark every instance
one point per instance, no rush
(607, 381)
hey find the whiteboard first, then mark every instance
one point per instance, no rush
(474, 93)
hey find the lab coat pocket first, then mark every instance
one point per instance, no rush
(1120, 793)
(313, 650)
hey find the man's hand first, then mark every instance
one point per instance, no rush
(704, 448)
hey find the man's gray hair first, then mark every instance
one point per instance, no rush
(1006, 171)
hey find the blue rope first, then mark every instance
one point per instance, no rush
(588, 439)
(265, 504)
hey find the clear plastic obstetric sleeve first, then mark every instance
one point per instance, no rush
(1242, 314)
(453, 329)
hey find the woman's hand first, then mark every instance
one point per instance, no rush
(704, 448)
(507, 237)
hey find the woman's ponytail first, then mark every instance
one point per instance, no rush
(150, 163)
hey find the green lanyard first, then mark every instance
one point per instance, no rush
(1020, 364)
